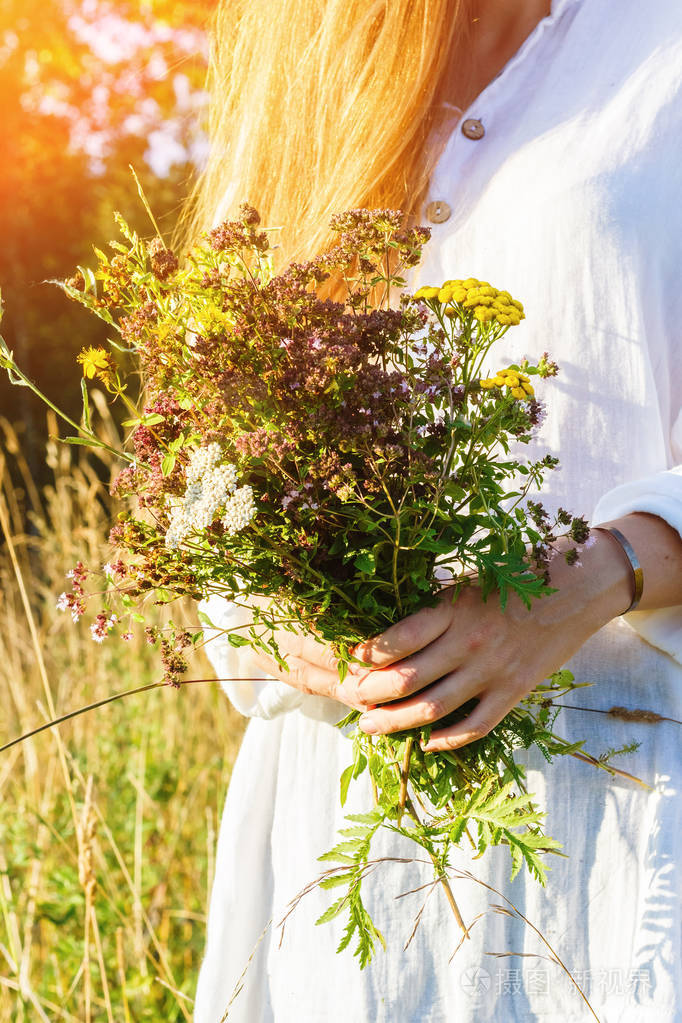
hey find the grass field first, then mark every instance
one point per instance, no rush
(107, 824)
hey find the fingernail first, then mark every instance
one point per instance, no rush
(438, 747)
(368, 724)
(433, 747)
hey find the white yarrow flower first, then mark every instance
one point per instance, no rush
(210, 488)
(239, 510)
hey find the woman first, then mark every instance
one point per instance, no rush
(541, 144)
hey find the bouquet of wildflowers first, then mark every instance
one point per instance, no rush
(326, 448)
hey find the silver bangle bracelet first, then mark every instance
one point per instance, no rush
(633, 560)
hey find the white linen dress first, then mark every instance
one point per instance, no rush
(572, 200)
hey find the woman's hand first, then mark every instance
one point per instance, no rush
(433, 662)
(312, 665)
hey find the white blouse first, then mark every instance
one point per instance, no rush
(571, 200)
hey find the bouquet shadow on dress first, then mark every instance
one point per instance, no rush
(333, 453)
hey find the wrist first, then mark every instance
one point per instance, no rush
(600, 584)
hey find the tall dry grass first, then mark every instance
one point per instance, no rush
(108, 823)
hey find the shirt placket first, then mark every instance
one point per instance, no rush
(478, 127)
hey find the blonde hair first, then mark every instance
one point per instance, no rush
(319, 106)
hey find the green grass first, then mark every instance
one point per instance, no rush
(107, 824)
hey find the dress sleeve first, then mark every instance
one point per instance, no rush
(265, 699)
(661, 495)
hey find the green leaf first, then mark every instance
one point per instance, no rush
(168, 463)
(346, 779)
(457, 830)
(86, 404)
(86, 442)
(150, 420)
(234, 639)
(366, 562)
(333, 910)
(334, 857)
(336, 880)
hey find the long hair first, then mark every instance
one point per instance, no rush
(318, 106)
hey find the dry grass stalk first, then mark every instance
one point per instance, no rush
(81, 894)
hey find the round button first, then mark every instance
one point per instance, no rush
(472, 128)
(438, 212)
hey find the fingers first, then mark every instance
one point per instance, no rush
(426, 707)
(486, 714)
(306, 647)
(307, 678)
(405, 637)
(408, 676)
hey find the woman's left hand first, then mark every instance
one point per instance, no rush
(434, 661)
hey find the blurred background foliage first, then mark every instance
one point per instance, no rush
(87, 87)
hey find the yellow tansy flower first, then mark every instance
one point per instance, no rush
(426, 293)
(487, 303)
(483, 314)
(96, 362)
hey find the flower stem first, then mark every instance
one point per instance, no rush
(403, 777)
(442, 877)
(406, 803)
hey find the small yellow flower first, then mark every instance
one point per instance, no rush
(486, 303)
(426, 292)
(96, 362)
(483, 314)
(517, 383)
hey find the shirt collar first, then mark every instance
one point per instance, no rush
(558, 6)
